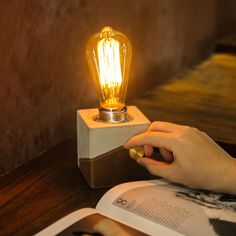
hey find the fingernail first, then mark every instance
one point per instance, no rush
(139, 161)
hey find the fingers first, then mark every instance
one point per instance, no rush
(160, 130)
(163, 126)
(148, 150)
(154, 139)
(167, 155)
(158, 168)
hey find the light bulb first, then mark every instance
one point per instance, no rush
(109, 55)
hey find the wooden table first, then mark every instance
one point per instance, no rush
(203, 97)
(44, 190)
(51, 186)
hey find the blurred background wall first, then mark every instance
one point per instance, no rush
(226, 17)
(43, 73)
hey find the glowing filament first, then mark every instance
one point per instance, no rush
(109, 68)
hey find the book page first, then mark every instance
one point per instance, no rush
(82, 220)
(157, 207)
(66, 221)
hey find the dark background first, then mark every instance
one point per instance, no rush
(43, 73)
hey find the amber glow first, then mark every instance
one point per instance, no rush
(109, 70)
(109, 54)
(109, 63)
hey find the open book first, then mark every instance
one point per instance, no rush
(155, 207)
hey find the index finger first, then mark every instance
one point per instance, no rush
(163, 126)
(154, 139)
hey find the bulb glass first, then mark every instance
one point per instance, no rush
(109, 55)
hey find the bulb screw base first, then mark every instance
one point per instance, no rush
(113, 115)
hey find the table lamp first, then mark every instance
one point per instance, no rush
(102, 132)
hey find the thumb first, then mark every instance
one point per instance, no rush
(159, 168)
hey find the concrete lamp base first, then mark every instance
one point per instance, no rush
(101, 158)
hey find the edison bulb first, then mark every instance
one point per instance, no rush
(109, 55)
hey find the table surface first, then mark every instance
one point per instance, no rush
(44, 190)
(203, 97)
(51, 186)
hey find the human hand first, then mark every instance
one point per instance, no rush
(196, 160)
(108, 227)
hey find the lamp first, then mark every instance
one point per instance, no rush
(109, 54)
(100, 134)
